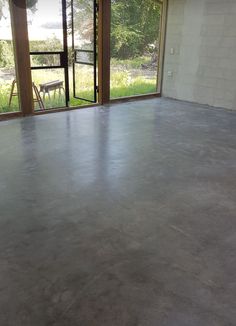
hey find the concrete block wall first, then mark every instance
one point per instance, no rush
(200, 57)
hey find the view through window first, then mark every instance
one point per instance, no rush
(8, 103)
(135, 45)
(135, 51)
(46, 35)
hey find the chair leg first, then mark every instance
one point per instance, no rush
(12, 91)
(61, 89)
(41, 103)
(38, 97)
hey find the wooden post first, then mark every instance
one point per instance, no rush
(22, 55)
(162, 38)
(104, 27)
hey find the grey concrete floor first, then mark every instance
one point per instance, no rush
(119, 216)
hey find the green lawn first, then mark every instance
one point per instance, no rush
(5, 90)
(134, 89)
(127, 79)
(130, 63)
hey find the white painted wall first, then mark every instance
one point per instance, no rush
(203, 35)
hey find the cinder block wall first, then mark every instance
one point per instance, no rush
(200, 58)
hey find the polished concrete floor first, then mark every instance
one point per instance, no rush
(119, 216)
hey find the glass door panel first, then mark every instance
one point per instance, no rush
(135, 47)
(84, 50)
(49, 53)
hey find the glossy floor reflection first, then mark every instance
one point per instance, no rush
(119, 216)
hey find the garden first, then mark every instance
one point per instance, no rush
(134, 56)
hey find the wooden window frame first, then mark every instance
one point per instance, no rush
(22, 57)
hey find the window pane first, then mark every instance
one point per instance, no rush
(84, 81)
(7, 63)
(50, 84)
(83, 24)
(135, 29)
(42, 60)
(45, 26)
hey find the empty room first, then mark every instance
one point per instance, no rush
(118, 163)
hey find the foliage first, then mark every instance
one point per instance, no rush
(133, 63)
(1, 8)
(138, 87)
(134, 25)
(83, 12)
(123, 83)
(52, 44)
(31, 4)
(6, 54)
(5, 90)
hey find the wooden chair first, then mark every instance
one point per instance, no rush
(37, 98)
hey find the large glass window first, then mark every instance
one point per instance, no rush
(45, 26)
(135, 44)
(8, 95)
